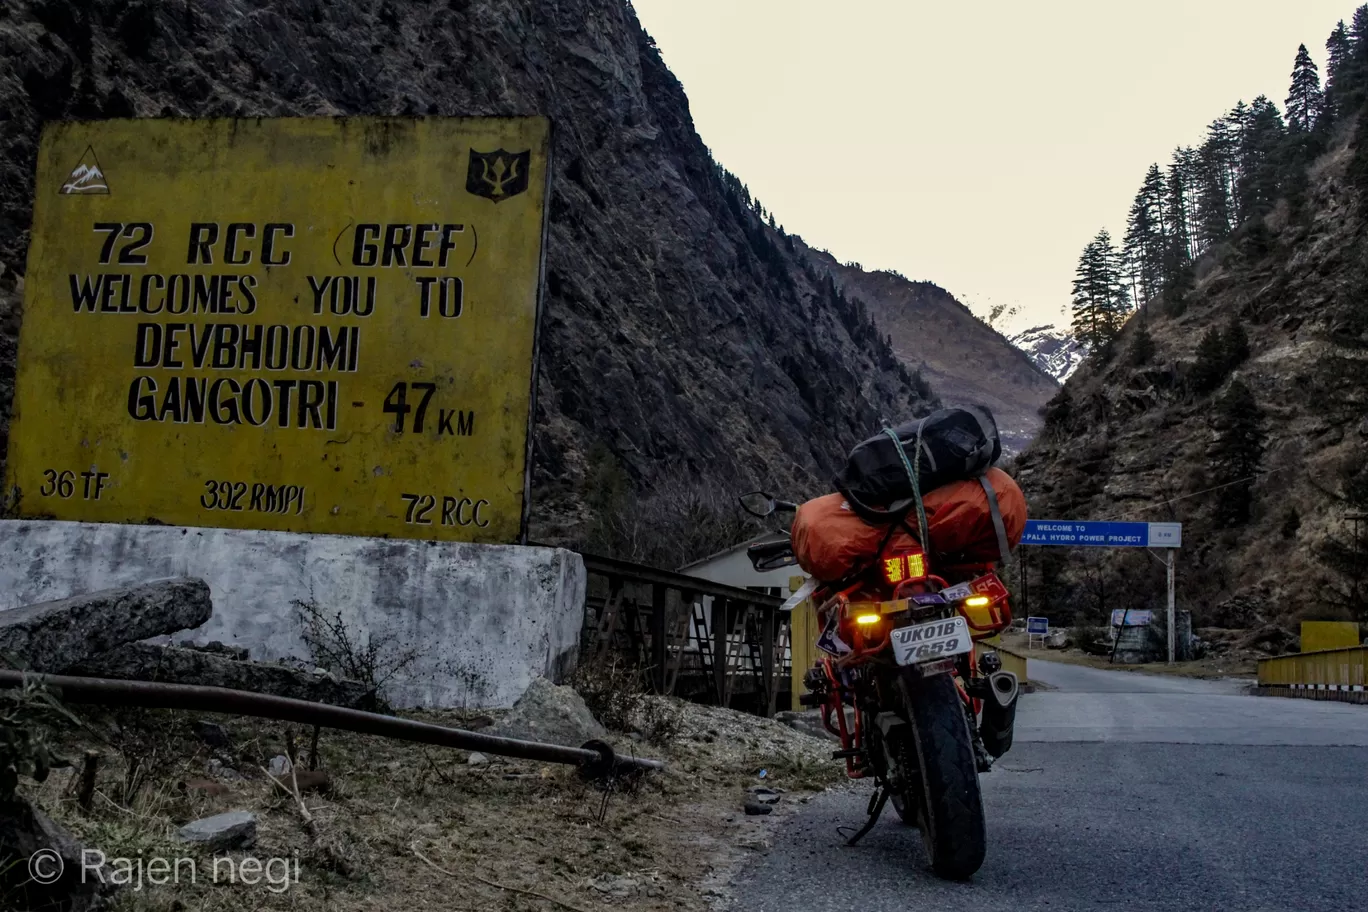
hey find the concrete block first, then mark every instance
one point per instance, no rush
(484, 619)
(53, 636)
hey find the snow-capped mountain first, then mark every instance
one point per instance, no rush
(1054, 351)
(86, 179)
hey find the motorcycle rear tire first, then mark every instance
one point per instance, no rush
(951, 804)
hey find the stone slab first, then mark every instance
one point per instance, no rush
(51, 636)
(178, 665)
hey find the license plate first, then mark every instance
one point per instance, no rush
(932, 640)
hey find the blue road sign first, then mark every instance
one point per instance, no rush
(1092, 534)
(1136, 617)
(1037, 626)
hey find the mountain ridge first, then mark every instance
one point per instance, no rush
(965, 360)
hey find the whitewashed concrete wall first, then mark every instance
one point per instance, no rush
(483, 619)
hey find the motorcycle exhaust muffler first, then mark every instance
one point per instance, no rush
(999, 713)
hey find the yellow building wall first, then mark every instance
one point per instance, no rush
(1318, 635)
(802, 640)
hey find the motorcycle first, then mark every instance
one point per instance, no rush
(919, 707)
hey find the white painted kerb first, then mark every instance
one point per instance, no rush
(485, 619)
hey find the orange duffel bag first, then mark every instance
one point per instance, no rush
(830, 540)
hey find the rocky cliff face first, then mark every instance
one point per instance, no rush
(684, 340)
(1053, 351)
(964, 359)
(1141, 436)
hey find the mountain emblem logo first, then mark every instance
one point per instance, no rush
(87, 177)
(499, 174)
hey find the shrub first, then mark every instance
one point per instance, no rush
(373, 660)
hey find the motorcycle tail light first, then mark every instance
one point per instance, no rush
(900, 568)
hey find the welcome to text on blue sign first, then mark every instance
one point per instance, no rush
(1096, 534)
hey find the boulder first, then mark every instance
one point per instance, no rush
(41, 864)
(213, 734)
(179, 665)
(552, 714)
(53, 636)
(222, 832)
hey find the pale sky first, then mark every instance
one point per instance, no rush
(975, 145)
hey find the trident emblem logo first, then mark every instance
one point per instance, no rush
(498, 175)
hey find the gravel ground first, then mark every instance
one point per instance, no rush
(407, 828)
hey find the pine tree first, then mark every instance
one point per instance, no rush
(1337, 49)
(1210, 369)
(1234, 344)
(1058, 412)
(1177, 215)
(1353, 73)
(1099, 298)
(1345, 551)
(1142, 347)
(1304, 99)
(1143, 251)
(1261, 139)
(1214, 168)
(1237, 452)
(1142, 232)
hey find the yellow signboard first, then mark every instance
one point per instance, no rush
(315, 325)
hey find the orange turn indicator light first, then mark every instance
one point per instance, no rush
(867, 619)
(978, 601)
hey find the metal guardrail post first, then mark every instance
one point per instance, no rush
(718, 629)
(768, 632)
(659, 645)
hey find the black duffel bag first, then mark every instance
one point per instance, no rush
(956, 444)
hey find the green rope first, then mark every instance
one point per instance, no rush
(913, 473)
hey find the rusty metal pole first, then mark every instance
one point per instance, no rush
(595, 758)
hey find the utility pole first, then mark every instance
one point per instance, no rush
(1171, 604)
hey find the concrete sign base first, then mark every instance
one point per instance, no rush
(478, 621)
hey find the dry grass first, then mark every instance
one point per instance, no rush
(413, 828)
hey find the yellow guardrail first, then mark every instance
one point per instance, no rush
(1014, 662)
(1328, 668)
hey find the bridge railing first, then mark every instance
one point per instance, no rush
(1329, 674)
(694, 638)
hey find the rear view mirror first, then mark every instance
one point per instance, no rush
(758, 503)
(779, 560)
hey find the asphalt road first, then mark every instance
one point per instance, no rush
(1126, 792)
